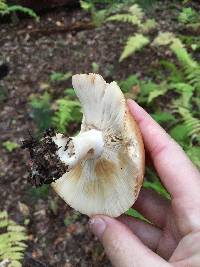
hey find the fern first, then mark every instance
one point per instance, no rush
(60, 76)
(185, 91)
(3, 6)
(150, 91)
(148, 25)
(134, 43)
(25, 10)
(194, 154)
(158, 187)
(181, 53)
(127, 18)
(188, 15)
(5, 9)
(135, 16)
(41, 111)
(191, 123)
(67, 111)
(12, 239)
(158, 90)
(136, 11)
(190, 67)
(163, 38)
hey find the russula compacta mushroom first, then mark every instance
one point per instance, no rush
(102, 166)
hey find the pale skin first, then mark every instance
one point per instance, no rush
(173, 236)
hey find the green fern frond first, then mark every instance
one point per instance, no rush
(158, 90)
(134, 43)
(181, 53)
(12, 239)
(6, 9)
(41, 110)
(135, 10)
(188, 15)
(192, 124)
(67, 111)
(185, 91)
(194, 154)
(189, 65)
(163, 38)
(127, 18)
(134, 16)
(148, 25)
(176, 74)
(25, 10)
(3, 6)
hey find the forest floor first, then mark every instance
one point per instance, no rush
(58, 236)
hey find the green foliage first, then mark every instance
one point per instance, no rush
(134, 43)
(57, 113)
(135, 16)
(127, 18)
(188, 15)
(148, 25)
(10, 145)
(136, 11)
(134, 213)
(59, 76)
(3, 5)
(157, 186)
(161, 117)
(192, 124)
(97, 16)
(128, 83)
(39, 192)
(163, 38)
(67, 111)
(12, 237)
(95, 67)
(6, 9)
(180, 81)
(182, 55)
(85, 5)
(194, 154)
(72, 219)
(150, 91)
(191, 41)
(146, 4)
(41, 111)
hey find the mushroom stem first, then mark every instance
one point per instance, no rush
(86, 145)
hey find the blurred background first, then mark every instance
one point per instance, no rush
(150, 47)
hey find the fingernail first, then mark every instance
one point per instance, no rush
(97, 226)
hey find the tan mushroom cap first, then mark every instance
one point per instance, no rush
(110, 183)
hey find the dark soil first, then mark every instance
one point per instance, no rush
(57, 235)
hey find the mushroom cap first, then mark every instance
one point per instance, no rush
(108, 184)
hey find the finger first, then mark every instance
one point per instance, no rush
(153, 207)
(177, 172)
(122, 247)
(147, 233)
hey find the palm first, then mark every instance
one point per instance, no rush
(174, 231)
(169, 238)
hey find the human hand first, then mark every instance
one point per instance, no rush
(173, 237)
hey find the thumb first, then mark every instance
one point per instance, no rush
(122, 247)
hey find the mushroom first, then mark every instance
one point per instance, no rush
(105, 161)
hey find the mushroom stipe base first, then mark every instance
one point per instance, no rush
(44, 164)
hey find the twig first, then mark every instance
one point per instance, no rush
(80, 26)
